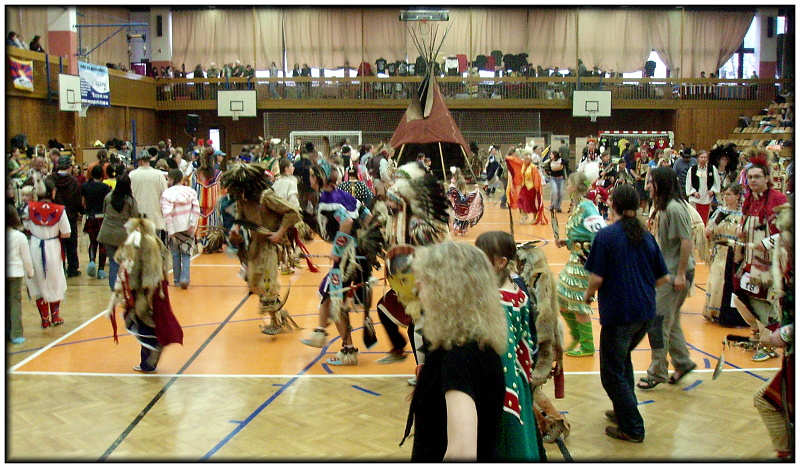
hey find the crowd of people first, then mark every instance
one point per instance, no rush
(635, 230)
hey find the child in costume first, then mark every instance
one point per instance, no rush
(467, 207)
(582, 226)
(181, 212)
(357, 240)
(518, 438)
(47, 222)
(142, 289)
(267, 217)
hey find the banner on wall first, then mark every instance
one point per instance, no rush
(94, 84)
(21, 73)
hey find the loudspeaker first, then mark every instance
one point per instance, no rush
(158, 25)
(771, 26)
(192, 122)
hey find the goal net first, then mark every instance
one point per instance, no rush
(353, 138)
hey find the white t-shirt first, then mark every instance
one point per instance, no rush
(286, 188)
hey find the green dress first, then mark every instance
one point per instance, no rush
(518, 439)
(582, 226)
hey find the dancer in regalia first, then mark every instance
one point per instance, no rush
(721, 231)
(417, 217)
(48, 224)
(345, 222)
(142, 289)
(467, 206)
(518, 437)
(582, 226)
(775, 400)
(268, 218)
(207, 178)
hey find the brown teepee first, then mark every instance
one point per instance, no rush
(427, 125)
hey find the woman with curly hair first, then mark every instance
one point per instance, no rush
(582, 225)
(457, 404)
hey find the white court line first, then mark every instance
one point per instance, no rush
(311, 376)
(33, 356)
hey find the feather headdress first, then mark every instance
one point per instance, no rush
(245, 181)
(423, 198)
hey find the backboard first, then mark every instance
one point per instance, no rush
(236, 103)
(69, 93)
(591, 104)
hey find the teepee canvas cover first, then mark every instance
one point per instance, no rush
(427, 124)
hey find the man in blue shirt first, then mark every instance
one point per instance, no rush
(625, 266)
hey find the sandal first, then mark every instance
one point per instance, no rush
(647, 383)
(676, 377)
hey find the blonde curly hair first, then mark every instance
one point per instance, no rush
(459, 297)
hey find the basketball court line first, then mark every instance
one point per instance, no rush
(66, 335)
(322, 376)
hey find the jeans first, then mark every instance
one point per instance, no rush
(13, 307)
(556, 192)
(113, 266)
(616, 372)
(180, 265)
(666, 334)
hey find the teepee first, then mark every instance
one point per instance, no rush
(427, 126)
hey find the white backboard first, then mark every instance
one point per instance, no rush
(69, 93)
(588, 103)
(236, 103)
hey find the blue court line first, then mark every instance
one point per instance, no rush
(707, 363)
(763, 379)
(326, 368)
(269, 400)
(277, 385)
(365, 390)
(695, 384)
(234, 421)
(646, 402)
(564, 412)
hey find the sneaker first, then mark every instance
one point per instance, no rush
(184, 284)
(18, 340)
(139, 368)
(72, 274)
(412, 381)
(101, 274)
(392, 357)
(91, 270)
(763, 354)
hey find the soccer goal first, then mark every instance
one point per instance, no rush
(334, 136)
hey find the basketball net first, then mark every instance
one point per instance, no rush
(84, 110)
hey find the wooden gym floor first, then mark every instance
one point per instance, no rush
(232, 393)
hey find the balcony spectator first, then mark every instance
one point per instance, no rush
(14, 40)
(273, 73)
(250, 74)
(35, 46)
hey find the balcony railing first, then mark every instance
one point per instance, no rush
(395, 91)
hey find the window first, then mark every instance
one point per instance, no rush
(213, 133)
(742, 63)
(780, 25)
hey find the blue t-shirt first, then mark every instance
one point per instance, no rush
(629, 275)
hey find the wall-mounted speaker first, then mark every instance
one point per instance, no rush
(771, 25)
(158, 25)
(192, 122)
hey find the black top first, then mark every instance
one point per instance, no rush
(469, 369)
(380, 65)
(94, 193)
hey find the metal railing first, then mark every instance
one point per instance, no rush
(551, 89)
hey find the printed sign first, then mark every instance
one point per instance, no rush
(94, 84)
(21, 73)
(594, 223)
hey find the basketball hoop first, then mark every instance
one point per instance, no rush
(84, 110)
(235, 115)
(592, 116)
